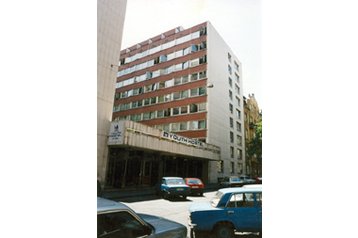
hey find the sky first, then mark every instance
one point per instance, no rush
(237, 21)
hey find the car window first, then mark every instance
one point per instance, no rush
(120, 225)
(241, 200)
(194, 181)
(175, 181)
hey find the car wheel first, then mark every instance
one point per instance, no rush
(224, 231)
(184, 197)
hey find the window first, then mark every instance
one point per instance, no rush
(238, 114)
(169, 83)
(230, 94)
(175, 110)
(184, 94)
(231, 107)
(231, 137)
(202, 45)
(237, 89)
(229, 57)
(193, 125)
(238, 126)
(231, 122)
(176, 95)
(184, 110)
(177, 81)
(239, 154)
(153, 100)
(202, 75)
(194, 48)
(203, 31)
(232, 168)
(241, 200)
(201, 124)
(185, 79)
(194, 92)
(183, 126)
(229, 69)
(202, 60)
(238, 101)
(230, 82)
(175, 126)
(202, 91)
(160, 113)
(194, 62)
(146, 101)
(239, 140)
(202, 106)
(167, 112)
(160, 98)
(236, 66)
(120, 224)
(237, 78)
(193, 108)
(231, 152)
(194, 77)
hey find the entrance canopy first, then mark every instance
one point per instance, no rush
(129, 133)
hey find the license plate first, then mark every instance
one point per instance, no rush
(195, 187)
(180, 189)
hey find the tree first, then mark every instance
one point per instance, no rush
(254, 149)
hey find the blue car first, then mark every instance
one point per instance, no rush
(173, 187)
(231, 210)
(116, 220)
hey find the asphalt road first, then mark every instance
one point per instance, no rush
(176, 209)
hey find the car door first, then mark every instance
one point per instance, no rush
(259, 208)
(242, 211)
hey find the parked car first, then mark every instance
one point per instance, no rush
(173, 187)
(258, 180)
(196, 185)
(232, 209)
(116, 220)
(232, 181)
(247, 180)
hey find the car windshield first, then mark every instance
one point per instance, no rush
(214, 202)
(175, 181)
(194, 181)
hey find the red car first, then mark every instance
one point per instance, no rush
(196, 185)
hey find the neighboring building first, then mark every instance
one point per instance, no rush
(252, 117)
(110, 19)
(186, 82)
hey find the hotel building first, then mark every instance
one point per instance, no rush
(182, 88)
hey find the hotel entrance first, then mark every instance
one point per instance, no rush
(137, 168)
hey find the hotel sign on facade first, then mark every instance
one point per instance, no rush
(181, 139)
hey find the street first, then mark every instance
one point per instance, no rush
(176, 209)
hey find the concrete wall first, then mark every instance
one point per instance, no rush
(218, 102)
(110, 20)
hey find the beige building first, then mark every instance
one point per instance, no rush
(110, 20)
(252, 116)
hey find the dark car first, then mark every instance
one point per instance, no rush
(116, 220)
(232, 210)
(196, 185)
(171, 187)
